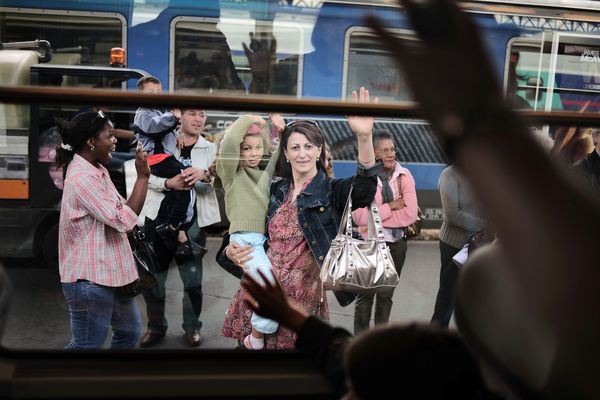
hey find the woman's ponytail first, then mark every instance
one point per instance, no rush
(64, 150)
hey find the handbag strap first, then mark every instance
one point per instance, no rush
(399, 180)
(374, 227)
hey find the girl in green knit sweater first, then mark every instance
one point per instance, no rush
(247, 189)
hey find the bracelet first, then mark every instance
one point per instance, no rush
(363, 162)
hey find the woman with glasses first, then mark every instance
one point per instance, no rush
(94, 255)
(397, 203)
(303, 217)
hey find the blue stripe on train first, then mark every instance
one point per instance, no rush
(426, 175)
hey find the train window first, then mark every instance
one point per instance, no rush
(576, 75)
(555, 71)
(366, 63)
(76, 37)
(523, 81)
(210, 55)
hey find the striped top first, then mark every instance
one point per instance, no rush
(92, 238)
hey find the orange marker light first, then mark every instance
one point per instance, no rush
(118, 57)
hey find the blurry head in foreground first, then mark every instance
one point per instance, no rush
(412, 361)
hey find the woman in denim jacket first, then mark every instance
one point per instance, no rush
(303, 218)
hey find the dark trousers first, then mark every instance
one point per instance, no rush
(444, 302)
(383, 300)
(177, 201)
(190, 272)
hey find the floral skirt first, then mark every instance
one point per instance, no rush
(301, 283)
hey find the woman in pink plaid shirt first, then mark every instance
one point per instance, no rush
(95, 258)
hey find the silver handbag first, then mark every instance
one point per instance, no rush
(355, 265)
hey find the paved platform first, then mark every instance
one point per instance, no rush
(38, 318)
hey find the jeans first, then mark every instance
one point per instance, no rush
(383, 299)
(93, 309)
(190, 272)
(444, 302)
(259, 262)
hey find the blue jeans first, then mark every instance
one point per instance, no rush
(95, 308)
(191, 276)
(259, 262)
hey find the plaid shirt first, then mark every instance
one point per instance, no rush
(92, 235)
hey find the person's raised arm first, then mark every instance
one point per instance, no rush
(364, 183)
(277, 122)
(155, 125)
(363, 129)
(490, 145)
(532, 200)
(229, 149)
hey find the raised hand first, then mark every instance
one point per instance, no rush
(278, 122)
(363, 129)
(141, 162)
(465, 86)
(176, 113)
(257, 120)
(530, 198)
(362, 125)
(261, 58)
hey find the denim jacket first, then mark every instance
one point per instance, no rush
(320, 208)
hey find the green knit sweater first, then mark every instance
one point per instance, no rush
(246, 189)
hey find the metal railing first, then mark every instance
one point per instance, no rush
(256, 103)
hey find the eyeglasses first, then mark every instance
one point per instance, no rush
(388, 151)
(301, 121)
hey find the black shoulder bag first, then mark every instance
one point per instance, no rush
(145, 262)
